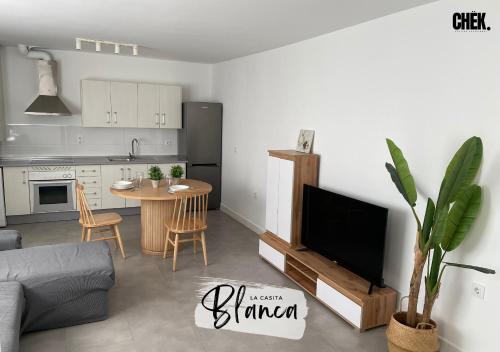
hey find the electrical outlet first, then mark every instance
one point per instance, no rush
(79, 139)
(235, 149)
(478, 290)
(167, 142)
(255, 195)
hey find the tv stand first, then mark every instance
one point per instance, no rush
(360, 303)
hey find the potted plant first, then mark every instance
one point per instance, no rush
(155, 175)
(444, 227)
(176, 172)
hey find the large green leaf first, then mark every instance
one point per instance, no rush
(461, 171)
(395, 178)
(439, 228)
(472, 267)
(403, 173)
(428, 219)
(461, 217)
(432, 280)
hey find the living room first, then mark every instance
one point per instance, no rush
(410, 83)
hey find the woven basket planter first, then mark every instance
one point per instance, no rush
(402, 338)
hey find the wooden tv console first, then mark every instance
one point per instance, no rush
(339, 289)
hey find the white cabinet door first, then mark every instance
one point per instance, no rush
(272, 255)
(124, 104)
(148, 112)
(346, 308)
(170, 107)
(96, 104)
(110, 174)
(16, 191)
(273, 170)
(130, 174)
(285, 197)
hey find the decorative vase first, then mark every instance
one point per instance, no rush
(175, 180)
(402, 338)
(155, 183)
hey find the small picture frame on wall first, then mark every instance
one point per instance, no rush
(305, 141)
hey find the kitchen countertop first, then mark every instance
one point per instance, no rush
(91, 160)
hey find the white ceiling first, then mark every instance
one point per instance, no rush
(189, 30)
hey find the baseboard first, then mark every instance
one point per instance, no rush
(447, 346)
(241, 219)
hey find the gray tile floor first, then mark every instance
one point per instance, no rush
(152, 308)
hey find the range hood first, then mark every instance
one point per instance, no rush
(47, 103)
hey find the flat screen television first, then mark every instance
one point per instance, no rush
(346, 230)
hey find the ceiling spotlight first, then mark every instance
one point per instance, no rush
(78, 44)
(135, 50)
(97, 46)
(117, 48)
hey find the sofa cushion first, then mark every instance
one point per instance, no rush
(58, 279)
(11, 309)
(10, 239)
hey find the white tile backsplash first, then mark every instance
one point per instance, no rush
(37, 140)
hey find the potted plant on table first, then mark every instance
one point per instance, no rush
(155, 175)
(444, 227)
(176, 172)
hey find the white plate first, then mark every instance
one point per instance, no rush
(123, 185)
(176, 188)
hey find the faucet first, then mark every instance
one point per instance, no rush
(135, 145)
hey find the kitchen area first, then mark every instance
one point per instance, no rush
(96, 132)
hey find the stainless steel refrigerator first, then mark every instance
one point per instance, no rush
(200, 140)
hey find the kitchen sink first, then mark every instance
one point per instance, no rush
(128, 159)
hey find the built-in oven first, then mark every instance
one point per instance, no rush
(52, 188)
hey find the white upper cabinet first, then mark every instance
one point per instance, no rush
(109, 104)
(160, 106)
(285, 198)
(170, 107)
(96, 103)
(129, 104)
(279, 197)
(273, 176)
(148, 115)
(124, 104)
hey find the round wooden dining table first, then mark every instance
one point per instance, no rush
(156, 209)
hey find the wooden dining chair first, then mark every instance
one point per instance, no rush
(104, 223)
(189, 216)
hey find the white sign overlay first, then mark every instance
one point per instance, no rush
(251, 307)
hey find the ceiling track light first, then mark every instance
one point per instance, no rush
(99, 43)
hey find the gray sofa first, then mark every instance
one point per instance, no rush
(52, 286)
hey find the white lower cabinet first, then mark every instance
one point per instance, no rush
(16, 191)
(110, 174)
(131, 172)
(348, 309)
(273, 256)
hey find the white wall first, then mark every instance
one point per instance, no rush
(408, 76)
(58, 135)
